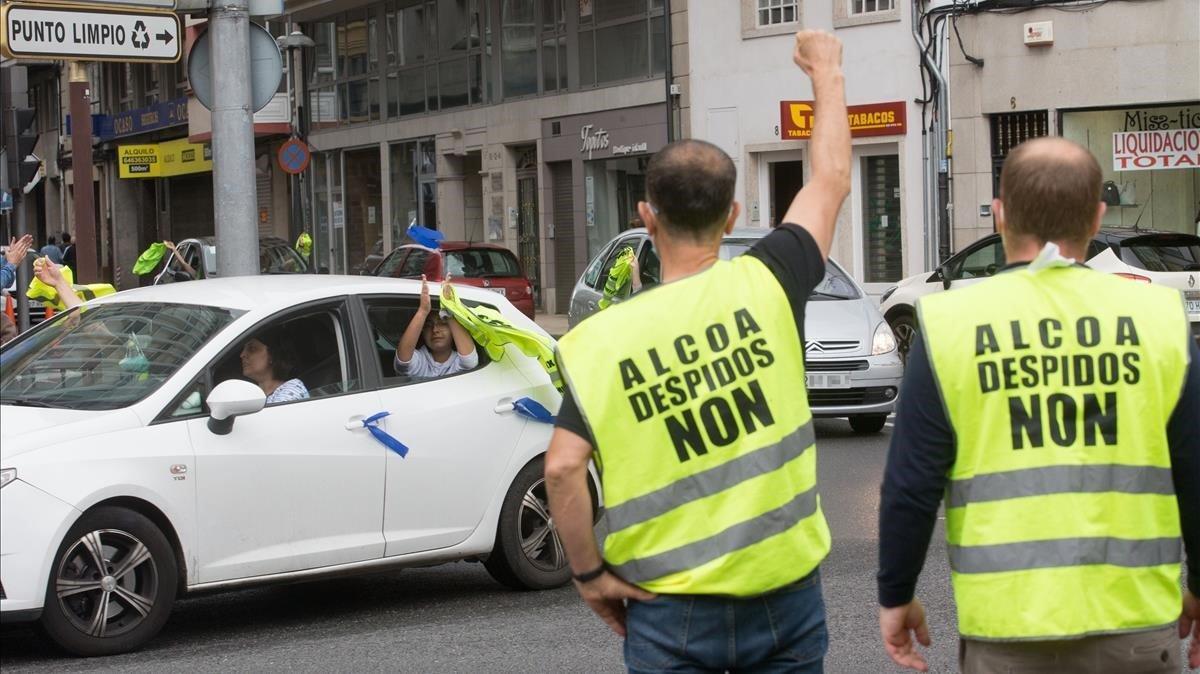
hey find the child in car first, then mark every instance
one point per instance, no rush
(434, 345)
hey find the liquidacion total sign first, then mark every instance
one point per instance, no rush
(1163, 149)
(85, 33)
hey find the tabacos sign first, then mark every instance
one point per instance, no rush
(796, 119)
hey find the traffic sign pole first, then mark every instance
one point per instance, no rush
(87, 259)
(234, 188)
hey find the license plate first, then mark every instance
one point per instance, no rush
(501, 291)
(1193, 301)
(827, 380)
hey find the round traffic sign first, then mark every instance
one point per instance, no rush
(266, 68)
(294, 156)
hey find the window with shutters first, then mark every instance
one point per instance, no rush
(883, 244)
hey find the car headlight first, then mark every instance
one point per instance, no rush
(7, 475)
(887, 293)
(884, 341)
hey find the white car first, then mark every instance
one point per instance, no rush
(1167, 258)
(138, 466)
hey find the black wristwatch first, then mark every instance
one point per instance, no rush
(589, 576)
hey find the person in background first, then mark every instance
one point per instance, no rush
(268, 360)
(447, 348)
(17, 250)
(183, 265)
(52, 251)
(68, 254)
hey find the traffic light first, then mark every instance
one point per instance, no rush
(23, 164)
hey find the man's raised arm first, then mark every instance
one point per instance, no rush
(816, 206)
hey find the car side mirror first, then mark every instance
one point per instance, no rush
(231, 399)
(943, 273)
(180, 275)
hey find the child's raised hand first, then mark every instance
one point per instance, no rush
(426, 305)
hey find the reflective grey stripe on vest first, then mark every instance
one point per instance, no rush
(1061, 480)
(1064, 552)
(712, 481)
(736, 537)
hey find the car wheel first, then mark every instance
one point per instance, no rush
(868, 423)
(112, 584)
(528, 553)
(904, 327)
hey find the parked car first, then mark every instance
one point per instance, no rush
(851, 366)
(138, 466)
(483, 265)
(275, 256)
(1168, 258)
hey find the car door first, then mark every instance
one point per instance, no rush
(460, 432)
(297, 485)
(976, 263)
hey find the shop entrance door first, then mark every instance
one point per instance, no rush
(528, 236)
(787, 177)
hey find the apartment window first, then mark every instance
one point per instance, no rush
(554, 45)
(871, 6)
(151, 78)
(344, 84)
(125, 87)
(621, 40)
(848, 13)
(764, 18)
(777, 12)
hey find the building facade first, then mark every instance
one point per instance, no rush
(1122, 79)
(740, 90)
(525, 123)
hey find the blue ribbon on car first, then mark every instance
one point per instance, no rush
(382, 436)
(532, 409)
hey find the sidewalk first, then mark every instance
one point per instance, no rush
(555, 324)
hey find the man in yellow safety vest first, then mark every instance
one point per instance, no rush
(1057, 411)
(699, 422)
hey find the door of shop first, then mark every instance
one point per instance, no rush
(564, 234)
(528, 236)
(787, 177)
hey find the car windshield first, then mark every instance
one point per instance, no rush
(1165, 253)
(271, 260)
(105, 357)
(835, 286)
(481, 263)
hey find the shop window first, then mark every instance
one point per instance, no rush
(621, 40)
(151, 78)
(883, 244)
(414, 187)
(125, 87)
(1148, 187)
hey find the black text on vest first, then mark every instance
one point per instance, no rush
(1060, 380)
(701, 386)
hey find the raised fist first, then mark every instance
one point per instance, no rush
(817, 51)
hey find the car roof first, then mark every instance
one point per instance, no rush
(263, 241)
(271, 292)
(737, 233)
(457, 245)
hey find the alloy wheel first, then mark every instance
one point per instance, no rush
(904, 332)
(538, 535)
(107, 583)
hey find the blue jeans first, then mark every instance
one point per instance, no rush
(782, 631)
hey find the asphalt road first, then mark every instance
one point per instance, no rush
(454, 618)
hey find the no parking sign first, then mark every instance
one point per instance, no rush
(294, 156)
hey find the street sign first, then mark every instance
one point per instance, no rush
(155, 4)
(72, 33)
(294, 156)
(266, 68)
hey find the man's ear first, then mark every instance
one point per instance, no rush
(734, 211)
(998, 215)
(649, 219)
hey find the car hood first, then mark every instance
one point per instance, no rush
(26, 429)
(841, 320)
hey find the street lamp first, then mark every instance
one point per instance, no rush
(290, 43)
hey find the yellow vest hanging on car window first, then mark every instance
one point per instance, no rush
(703, 434)
(1061, 515)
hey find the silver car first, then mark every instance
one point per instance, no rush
(851, 364)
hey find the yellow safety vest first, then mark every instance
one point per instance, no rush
(703, 434)
(1061, 517)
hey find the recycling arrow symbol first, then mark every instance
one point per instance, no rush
(140, 38)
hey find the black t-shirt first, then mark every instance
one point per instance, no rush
(791, 254)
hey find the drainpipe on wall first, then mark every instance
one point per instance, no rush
(669, 76)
